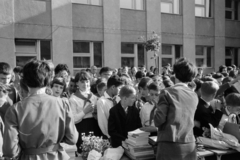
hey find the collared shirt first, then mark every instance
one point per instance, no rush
(104, 104)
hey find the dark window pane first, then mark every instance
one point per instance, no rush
(228, 15)
(236, 56)
(177, 51)
(165, 61)
(199, 50)
(228, 62)
(25, 46)
(22, 60)
(97, 54)
(81, 47)
(236, 10)
(209, 57)
(45, 50)
(141, 56)
(166, 49)
(228, 51)
(228, 3)
(127, 48)
(126, 61)
(199, 62)
(81, 62)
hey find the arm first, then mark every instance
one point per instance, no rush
(77, 116)
(102, 118)
(71, 134)
(160, 115)
(11, 148)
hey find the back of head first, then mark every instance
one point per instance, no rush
(168, 83)
(184, 70)
(145, 82)
(233, 73)
(127, 91)
(104, 69)
(227, 79)
(140, 75)
(5, 68)
(101, 85)
(61, 67)
(115, 81)
(36, 74)
(17, 69)
(154, 86)
(233, 100)
(198, 83)
(209, 88)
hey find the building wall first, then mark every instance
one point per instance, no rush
(62, 22)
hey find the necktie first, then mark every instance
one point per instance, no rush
(113, 100)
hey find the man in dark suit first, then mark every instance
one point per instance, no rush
(124, 117)
(205, 113)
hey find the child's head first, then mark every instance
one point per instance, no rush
(139, 75)
(128, 95)
(5, 73)
(233, 103)
(143, 86)
(114, 84)
(157, 79)
(82, 80)
(209, 90)
(58, 86)
(105, 72)
(154, 91)
(72, 85)
(101, 88)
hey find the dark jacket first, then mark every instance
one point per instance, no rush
(205, 115)
(120, 123)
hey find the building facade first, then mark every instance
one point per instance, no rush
(82, 33)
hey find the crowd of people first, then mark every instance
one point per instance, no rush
(42, 106)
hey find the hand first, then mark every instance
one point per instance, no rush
(88, 109)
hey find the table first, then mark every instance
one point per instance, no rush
(202, 154)
(219, 153)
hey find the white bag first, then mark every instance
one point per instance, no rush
(94, 155)
(113, 153)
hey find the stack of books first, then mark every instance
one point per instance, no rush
(138, 146)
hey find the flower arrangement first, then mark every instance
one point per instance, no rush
(92, 142)
(153, 43)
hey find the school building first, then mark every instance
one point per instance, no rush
(82, 33)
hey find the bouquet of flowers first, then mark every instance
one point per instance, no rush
(94, 145)
(153, 43)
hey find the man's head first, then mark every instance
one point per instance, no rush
(106, 72)
(154, 92)
(114, 84)
(5, 73)
(233, 103)
(184, 70)
(209, 90)
(128, 95)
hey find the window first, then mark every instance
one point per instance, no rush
(132, 54)
(204, 56)
(170, 53)
(87, 54)
(231, 9)
(170, 6)
(132, 4)
(203, 8)
(28, 49)
(231, 56)
(90, 2)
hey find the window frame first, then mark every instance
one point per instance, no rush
(173, 6)
(37, 54)
(205, 9)
(134, 5)
(204, 56)
(89, 2)
(133, 55)
(232, 10)
(173, 53)
(90, 54)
